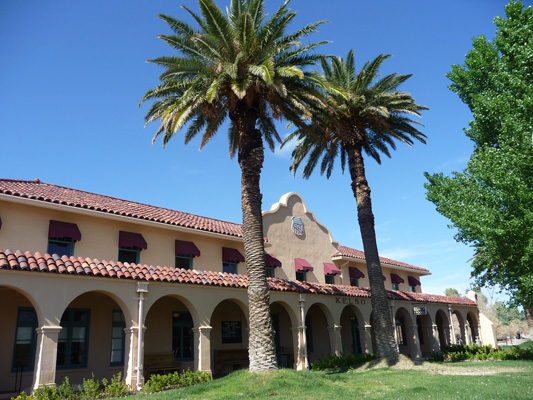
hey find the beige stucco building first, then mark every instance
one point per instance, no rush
(69, 309)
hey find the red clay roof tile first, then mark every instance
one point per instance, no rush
(94, 267)
(353, 253)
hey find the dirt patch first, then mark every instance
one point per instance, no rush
(464, 368)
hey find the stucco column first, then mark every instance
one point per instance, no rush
(46, 356)
(302, 360)
(335, 339)
(202, 341)
(468, 332)
(368, 339)
(416, 353)
(434, 335)
(452, 330)
(130, 358)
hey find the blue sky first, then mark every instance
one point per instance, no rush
(73, 73)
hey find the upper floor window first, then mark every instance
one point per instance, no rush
(25, 339)
(301, 267)
(61, 238)
(355, 275)
(330, 270)
(413, 283)
(271, 263)
(129, 247)
(73, 341)
(185, 253)
(396, 280)
(230, 259)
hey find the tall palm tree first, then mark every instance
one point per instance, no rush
(247, 68)
(367, 114)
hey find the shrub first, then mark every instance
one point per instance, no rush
(66, 390)
(157, 383)
(343, 361)
(117, 387)
(91, 389)
(475, 352)
(46, 393)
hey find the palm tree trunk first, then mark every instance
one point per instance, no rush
(262, 350)
(382, 321)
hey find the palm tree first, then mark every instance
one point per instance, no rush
(246, 67)
(363, 114)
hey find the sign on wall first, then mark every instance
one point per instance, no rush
(297, 226)
(231, 332)
(420, 310)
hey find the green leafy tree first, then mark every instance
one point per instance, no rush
(490, 203)
(364, 114)
(244, 67)
(452, 292)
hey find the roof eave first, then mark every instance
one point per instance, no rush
(421, 272)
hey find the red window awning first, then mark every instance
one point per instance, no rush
(272, 261)
(355, 273)
(130, 239)
(0, 223)
(331, 269)
(396, 278)
(413, 281)
(59, 229)
(231, 255)
(302, 265)
(184, 248)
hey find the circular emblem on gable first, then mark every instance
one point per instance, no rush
(297, 226)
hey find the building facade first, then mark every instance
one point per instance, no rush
(175, 297)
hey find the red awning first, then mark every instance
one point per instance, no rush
(396, 278)
(355, 273)
(272, 261)
(130, 239)
(59, 229)
(302, 265)
(331, 269)
(184, 248)
(231, 255)
(0, 223)
(384, 279)
(413, 281)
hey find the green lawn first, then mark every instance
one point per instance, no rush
(427, 380)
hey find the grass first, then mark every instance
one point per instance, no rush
(525, 345)
(373, 380)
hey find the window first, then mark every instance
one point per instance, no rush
(412, 288)
(61, 238)
(301, 276)
(61, 246)
(25, 339)
(400, 331)
(129, 247)
(229, 267)
(183, 262)
(395, 286)
(182, 336)
(354, 281)
(129, 254)
(330, 279)
(73, 339)
(118, 338)
(269, 271)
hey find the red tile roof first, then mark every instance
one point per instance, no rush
(109, 269)
(344, 251)
(47, 192)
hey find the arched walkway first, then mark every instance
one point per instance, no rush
(406, 334)
(425, 334)
(458, 328)
(443, 328)
(169, 337)
(352, 331)
(317, 334)
(283, 319)
(472, 327)
(20, 317)
(92, 337)
(229, 337)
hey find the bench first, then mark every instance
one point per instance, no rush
(227, 361)
(160, 363)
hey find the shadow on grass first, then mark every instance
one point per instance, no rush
(398, 360)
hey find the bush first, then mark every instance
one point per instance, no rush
(117, 388)
(470, 352)
(66, 390)
(91, 389)
(343, 361)
(46, 393)
(158, 383)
